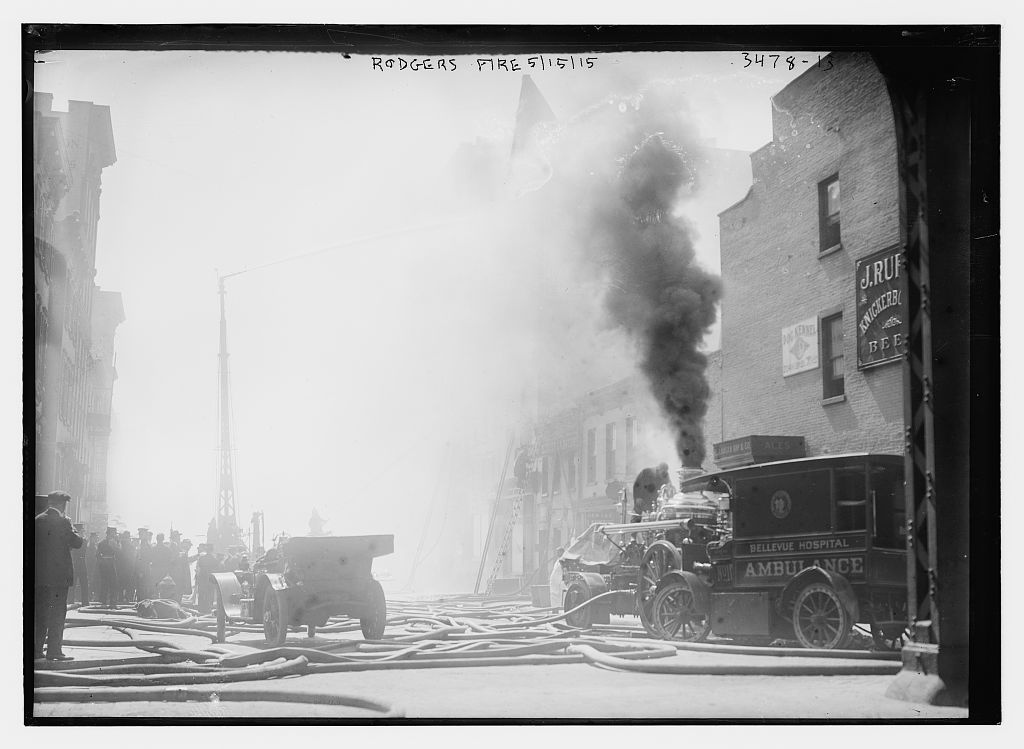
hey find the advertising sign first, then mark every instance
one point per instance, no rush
(800, 347)
(881, 317)
(745, 451)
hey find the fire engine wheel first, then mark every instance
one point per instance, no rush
(819, 618)
(577, 594)
(275, 617)
(372, 624)
(676, 616)
(660, 558)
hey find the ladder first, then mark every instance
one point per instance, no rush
(517, 507)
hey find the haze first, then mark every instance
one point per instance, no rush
(422, 320)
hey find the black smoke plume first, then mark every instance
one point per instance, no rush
(656, 291)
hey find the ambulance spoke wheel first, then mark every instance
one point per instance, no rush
(819, 618)
(373, 622)
(676, 616)
(275, 617)
(660, 558)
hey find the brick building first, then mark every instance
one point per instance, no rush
(812, 321)
(70, 151)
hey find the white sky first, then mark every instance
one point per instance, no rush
(351, 368)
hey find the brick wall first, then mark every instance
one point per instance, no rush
(825, 122)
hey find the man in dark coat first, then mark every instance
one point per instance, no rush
(162, 559)
(91, 568)
(106, 563)
(80, 588)
(125, 557)
(206, 565)
(182, 572)
(646, 489)
(54, 574)
(144, 584)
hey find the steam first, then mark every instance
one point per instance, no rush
(638, 161)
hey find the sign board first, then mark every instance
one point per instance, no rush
(746, 451)
(800, 347)
(881, 314)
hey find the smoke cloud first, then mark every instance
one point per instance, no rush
(622, 171)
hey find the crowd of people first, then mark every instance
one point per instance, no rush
(119, 569)
(123, 568)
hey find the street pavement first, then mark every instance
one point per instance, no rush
(570, 691)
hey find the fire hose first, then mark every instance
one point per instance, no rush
(447, 634)
(163, 694)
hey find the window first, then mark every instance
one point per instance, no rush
(545, 473)
(609, 451)
(828, 213)
(630, 446)
(832, 367)
(571, 466)
(851, 499)
(890, 518)
(556, 474)
(591, 456)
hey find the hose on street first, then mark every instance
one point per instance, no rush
(462, 632)
(382, 710)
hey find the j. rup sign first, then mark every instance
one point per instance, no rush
(881, 313)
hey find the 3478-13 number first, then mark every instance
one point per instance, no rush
(759, 59)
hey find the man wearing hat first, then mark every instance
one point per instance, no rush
(144, 587)
(80, 589)
(54, 575)
(106, 560)
(125, 558)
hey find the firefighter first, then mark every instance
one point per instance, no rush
(106, 563)
(647, 488)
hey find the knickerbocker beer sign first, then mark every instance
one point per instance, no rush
(881, 314)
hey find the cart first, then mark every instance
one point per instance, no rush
(304, 582)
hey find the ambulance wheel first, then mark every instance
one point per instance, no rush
(675, 615)
(275, 617)
(819, 618)
(373, 622)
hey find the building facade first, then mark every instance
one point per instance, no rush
(812, 319)
(585, 456)
(107, 314)
(71, 149)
